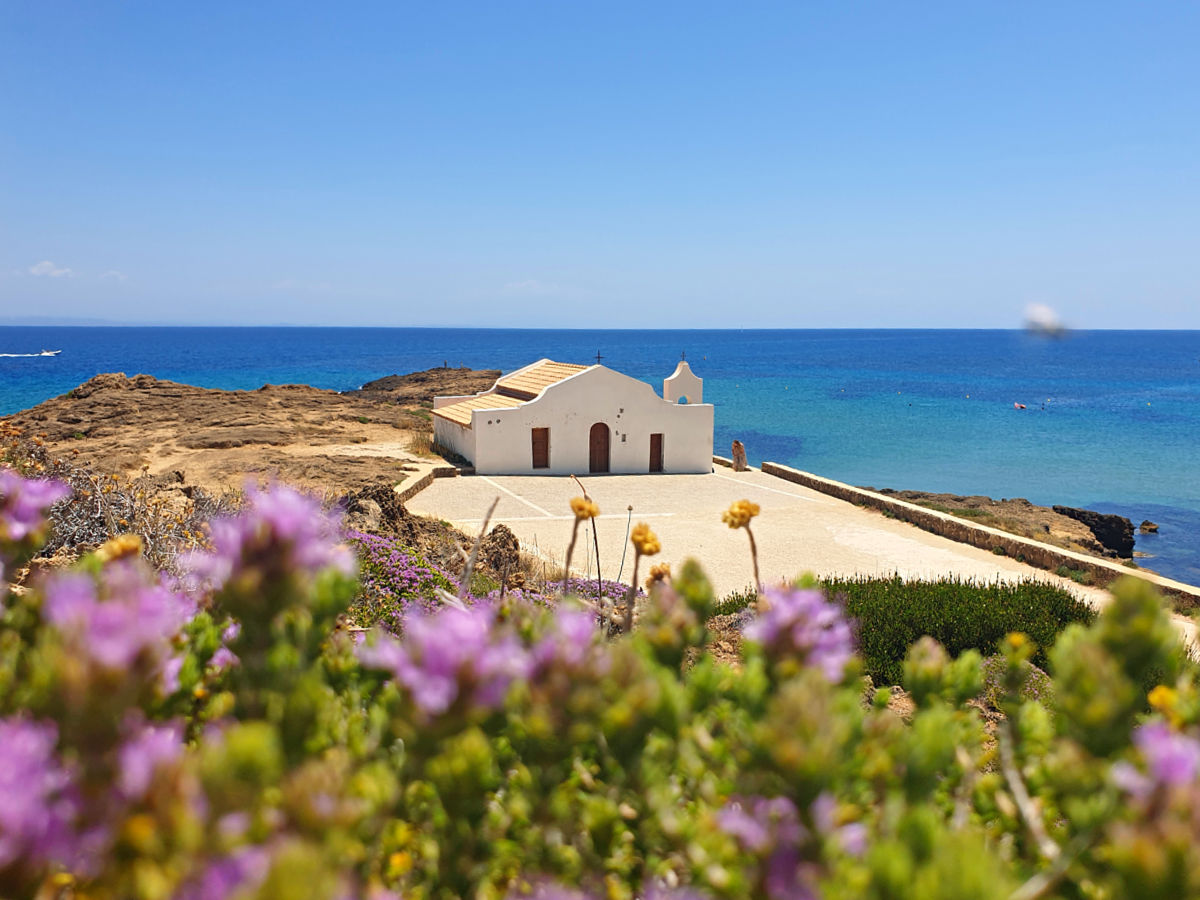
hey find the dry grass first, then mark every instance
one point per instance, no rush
(168, 519)
(421, 443)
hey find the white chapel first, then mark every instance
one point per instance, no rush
(553, 418)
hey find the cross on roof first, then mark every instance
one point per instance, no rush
(682, 355)
(598, 357)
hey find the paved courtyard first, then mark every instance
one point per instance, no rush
(799, 530)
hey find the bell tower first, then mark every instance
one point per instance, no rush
(683, 386)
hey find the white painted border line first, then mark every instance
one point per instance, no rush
(562, 518)
(763, 487)
(518, 497)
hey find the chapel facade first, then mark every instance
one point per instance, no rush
(553, 418)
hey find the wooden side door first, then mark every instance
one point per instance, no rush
(598, 448)
(656, 453)
(540, 438)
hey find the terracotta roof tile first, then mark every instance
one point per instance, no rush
(531, 382)
(460, 412)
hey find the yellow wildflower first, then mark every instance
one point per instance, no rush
(659, 572)
(140, 831)
(644, 540)
(119, 547)
(400, 863)
(584, 508)
(740, 513)
(1164, 699)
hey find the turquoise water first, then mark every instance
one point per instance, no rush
(1112, 418)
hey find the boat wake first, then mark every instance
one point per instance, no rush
(27, 355)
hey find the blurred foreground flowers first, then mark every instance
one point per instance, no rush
(220, 733)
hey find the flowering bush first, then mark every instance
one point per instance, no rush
(393, 579)
(222, 736)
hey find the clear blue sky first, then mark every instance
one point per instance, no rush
(857, 164)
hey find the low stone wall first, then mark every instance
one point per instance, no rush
(1035, 553)
(722, 461)
(410, 491)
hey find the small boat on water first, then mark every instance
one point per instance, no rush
(50, 353)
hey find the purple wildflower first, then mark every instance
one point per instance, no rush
(24, 502)
(851, 837)
(1172, 760)
(801, 622)
(787, 878)
(1127, 777)
(281, 530)
(751, 833)
(133, 616)
(238, 873)
(662, 892)
(223, 659)
(168, 674)
(770, 828)
(760, 823)
(568, 640)
(452, 650)
(149, 747)
(233, 826)
(549, 890)
(39, 805)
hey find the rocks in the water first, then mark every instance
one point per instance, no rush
(739, 457)
(1148, 527)
(1115, 533)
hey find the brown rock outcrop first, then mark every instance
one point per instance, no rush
(500, 554)
(320, 440)
(419, 388)
(1115, 533)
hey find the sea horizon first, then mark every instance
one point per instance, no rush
(1112, 417)
(36, 322)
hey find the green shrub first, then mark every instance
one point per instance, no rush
(1080, 576)
(961, 615)
(736, 601)
(892, 613)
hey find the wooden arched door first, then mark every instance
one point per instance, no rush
(598, 448)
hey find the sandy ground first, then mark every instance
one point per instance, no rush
(798, 530)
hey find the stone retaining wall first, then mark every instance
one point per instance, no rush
(1024, 549)
(416, 487)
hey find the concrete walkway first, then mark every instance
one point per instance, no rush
(799, 530)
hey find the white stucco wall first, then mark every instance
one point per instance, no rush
(455, 437)
(629, 408)
(683, 383)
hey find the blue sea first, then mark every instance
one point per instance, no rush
(1112, 418)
